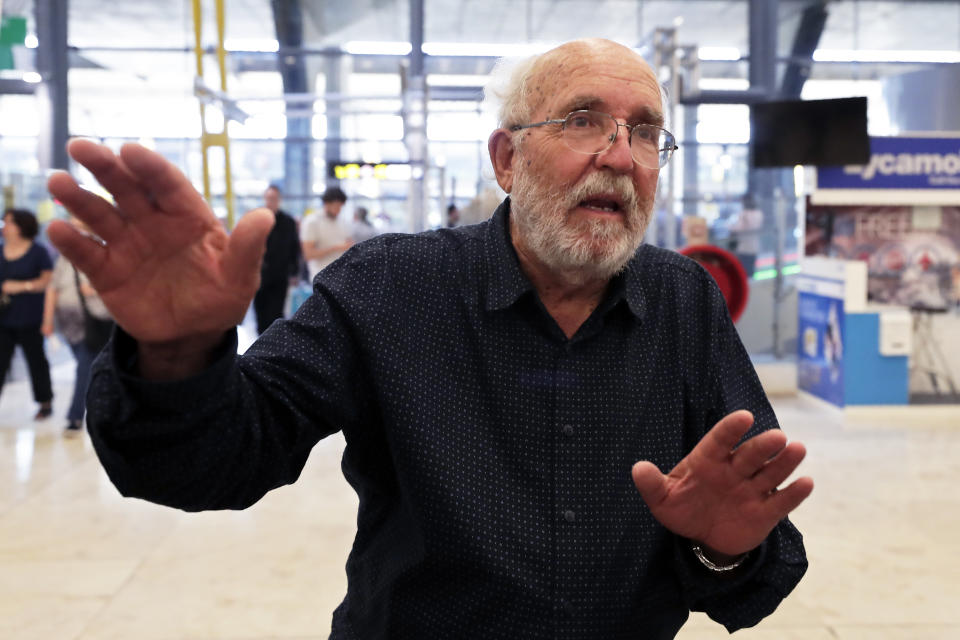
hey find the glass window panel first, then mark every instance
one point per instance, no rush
(723, 123)
(465, 126)
(372, 127)
(21, 116)
(374, 84)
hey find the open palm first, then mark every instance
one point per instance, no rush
(723, 495)
(168, 268)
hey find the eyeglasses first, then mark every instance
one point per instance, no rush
(594, 132)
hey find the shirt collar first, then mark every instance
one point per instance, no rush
(632, 279)
(507, 283)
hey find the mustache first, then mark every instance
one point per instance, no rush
(603, 183)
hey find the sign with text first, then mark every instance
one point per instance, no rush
(367, 170)
(900, 163)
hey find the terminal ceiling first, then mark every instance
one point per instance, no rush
(852, 24)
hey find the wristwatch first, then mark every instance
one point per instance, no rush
(713, 566)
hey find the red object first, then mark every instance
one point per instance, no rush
(726, 271)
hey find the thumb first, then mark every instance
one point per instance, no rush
(248, 243)
(651, 484)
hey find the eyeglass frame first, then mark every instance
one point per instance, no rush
(629, 127)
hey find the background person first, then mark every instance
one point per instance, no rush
(746, 233)
(62, 308)
(281, 262)
(362, 229)
(494, 418)
(25, 269)
(453, 215)
(322, 238)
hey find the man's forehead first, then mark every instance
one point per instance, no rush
(589, 73)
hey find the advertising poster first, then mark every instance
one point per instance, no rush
(912, 253)
(820, 346)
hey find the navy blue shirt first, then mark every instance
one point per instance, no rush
(491, 454)
(26, 309)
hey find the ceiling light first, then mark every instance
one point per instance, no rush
(485, 49)
(32, 77)
(718, 53)
(361, 47)
(264, 45)
(884, 55)
(31, 42)
(456, 80)
(724, 84)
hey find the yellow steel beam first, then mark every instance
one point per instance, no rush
(211, 139)
(225, 141)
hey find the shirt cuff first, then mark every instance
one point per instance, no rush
(161, 396)
(700, 582)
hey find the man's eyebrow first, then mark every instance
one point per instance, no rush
(584, 101)
(646, 115)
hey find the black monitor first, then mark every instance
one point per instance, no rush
(809, 132)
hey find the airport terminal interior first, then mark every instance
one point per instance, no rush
(838, 257)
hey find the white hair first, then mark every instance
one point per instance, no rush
(508, 90)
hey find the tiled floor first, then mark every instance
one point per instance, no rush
(77, 561)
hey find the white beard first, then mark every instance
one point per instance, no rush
(593, 249)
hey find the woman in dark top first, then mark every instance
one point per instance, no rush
(25, 270)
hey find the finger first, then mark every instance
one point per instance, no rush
(788, 499)
(80, 249)
(166, 184)
(752, 455)
(651, 484)
(110, 171)
(247, 244)
(100, 215)
(779, 468)
(721, 440)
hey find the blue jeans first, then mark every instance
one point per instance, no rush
(84, 359)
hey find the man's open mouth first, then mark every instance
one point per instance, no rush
(605, 204)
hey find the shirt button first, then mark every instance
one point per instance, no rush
(568, 607)
(569, 515)
(568, 429)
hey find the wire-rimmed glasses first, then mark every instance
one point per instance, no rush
(593, 132)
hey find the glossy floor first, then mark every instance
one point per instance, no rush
(77, 561)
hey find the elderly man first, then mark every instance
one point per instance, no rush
(506, 423)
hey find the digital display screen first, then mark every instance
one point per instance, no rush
(809, 132)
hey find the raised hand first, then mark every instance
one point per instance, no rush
(724, 496)
(169, 270)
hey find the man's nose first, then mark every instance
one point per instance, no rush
(618, 156)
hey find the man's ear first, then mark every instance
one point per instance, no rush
(502, 154)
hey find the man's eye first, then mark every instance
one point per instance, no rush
(580, 122)
(643, 133)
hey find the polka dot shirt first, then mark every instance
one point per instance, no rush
(490, 453)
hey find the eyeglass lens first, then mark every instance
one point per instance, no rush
(594, 132)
